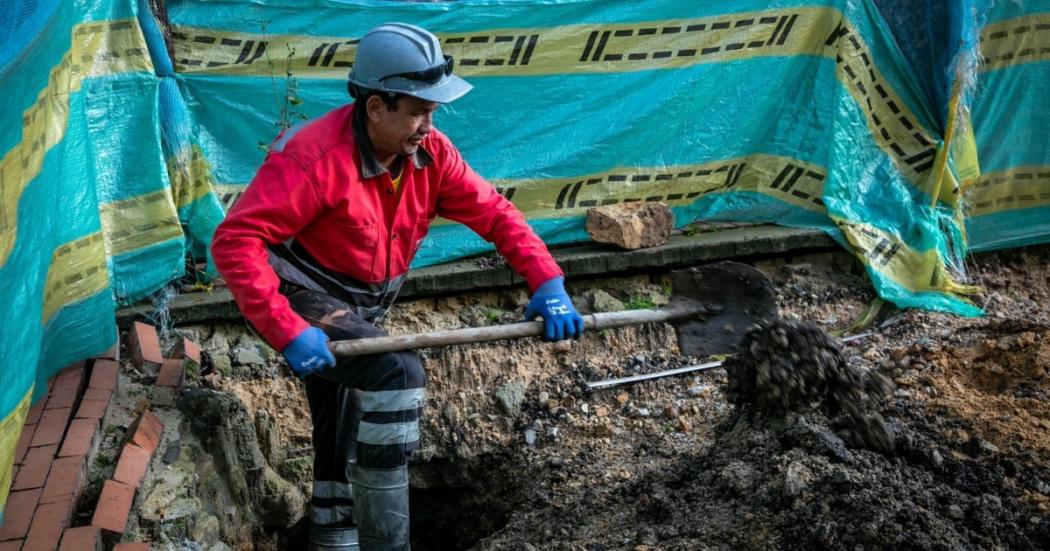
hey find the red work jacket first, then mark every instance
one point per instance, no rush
(323, 214)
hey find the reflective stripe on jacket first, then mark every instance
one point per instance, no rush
(320, 207)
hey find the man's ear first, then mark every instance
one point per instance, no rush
(375, 108)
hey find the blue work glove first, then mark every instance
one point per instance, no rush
(560, 317)
(308, 353)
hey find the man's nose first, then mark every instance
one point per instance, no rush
(428, 123)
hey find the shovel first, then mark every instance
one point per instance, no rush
(711, 306)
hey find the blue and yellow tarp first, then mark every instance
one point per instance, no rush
(128, 124)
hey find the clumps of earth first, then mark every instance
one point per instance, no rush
(786, 366)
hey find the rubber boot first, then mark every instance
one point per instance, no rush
(381, 507)
(326, 538)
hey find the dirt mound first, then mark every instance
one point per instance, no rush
(789, 366)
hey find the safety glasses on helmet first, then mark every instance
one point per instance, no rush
(429, 76)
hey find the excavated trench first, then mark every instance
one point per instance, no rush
(785, 453)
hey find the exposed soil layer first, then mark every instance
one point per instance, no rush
(930, 433)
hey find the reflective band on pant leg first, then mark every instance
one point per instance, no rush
(381, 506)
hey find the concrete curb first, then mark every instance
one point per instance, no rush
(577, 261)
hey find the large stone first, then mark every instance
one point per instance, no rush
(631, 225)
(510, 396)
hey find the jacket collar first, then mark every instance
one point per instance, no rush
(368, 165)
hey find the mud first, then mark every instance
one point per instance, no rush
(787, 366)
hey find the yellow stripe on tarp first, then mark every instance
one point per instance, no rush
(10, 430)
(1015, 41)
(77, 271)
(139, 222)
(190, 177)
(97, 49)
(605, 48)
(885, 252)
(1017, 188)
(789, 180)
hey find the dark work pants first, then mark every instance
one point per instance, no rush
(364, 410)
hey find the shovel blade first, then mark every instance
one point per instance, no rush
(740, 296)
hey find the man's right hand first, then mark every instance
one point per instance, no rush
(308, 353)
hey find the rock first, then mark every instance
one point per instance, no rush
(631, 225)
(956, 512)
(552, 433)
(796, 479)
(738, 476)
(562, 345)
(602, 301)
(530, 437)
(622, 398)
(510, 396)
(543, 397)
(222, 364)
(217, 344)
(249, 356)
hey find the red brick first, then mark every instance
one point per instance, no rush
(18, 513)
(144, 346)
(113, 507)
(132, 546)
(172, 374)
(51, 428)
(11, 545)
(66, 387)
(66, 479)
(48, 523)
(91, 409)
(186, 349)
(146, 431)
(170, 381)
(82, 538)
(81, 438)
(132, 465)
(33, 417)
(104, 374)
(98, 394)
(34, 469)
(23, 443)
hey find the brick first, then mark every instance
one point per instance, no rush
(131, 546)
(11, 545)
(66, 480)
(98, 394)
(48, 523)
(51, 428)
(186, 349)
(144, 346)
(104, 374)
(132, 465)
(18, 513)
(33, 417)
(91, 409)
(114, 506)
(81, 538)
(66, 387)
(23, 443)
(34, 469)
(170, 381)
(81, 438)
(145, 432)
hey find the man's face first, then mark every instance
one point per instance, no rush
(401, 131)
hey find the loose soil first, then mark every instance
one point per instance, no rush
(930, 433)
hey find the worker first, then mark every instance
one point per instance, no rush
(317, 247)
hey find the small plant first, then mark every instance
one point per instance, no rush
(493, 315)
(193, 369)
(639, 302)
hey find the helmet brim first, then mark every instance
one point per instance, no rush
(451, 89)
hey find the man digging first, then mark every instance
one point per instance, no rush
(318, 246)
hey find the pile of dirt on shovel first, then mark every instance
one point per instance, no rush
(807, 460)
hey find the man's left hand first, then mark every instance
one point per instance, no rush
(552, 303)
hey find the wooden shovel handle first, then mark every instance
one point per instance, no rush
(608, 320)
